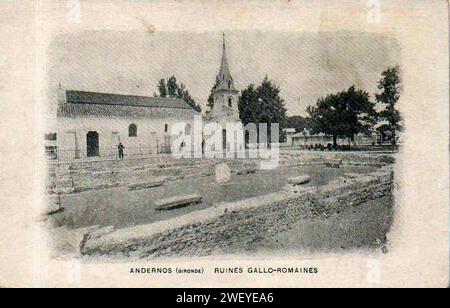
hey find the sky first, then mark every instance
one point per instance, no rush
(305, 65)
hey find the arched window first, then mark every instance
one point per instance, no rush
(132, 130)
(229, 84)
(166, 128)
(230, 102)
(187, 130)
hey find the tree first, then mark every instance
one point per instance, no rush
(170, 87)
(211, 100)
(385, 133)
(211, 96)
(389, 85)
(162, 88)
(346, 113)
(263, 105)
(298, 122)
(186, 96)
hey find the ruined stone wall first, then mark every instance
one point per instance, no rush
(73, 178)
(215, 229)
(292, 157)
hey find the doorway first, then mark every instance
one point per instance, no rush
(93, 148)
(224, 140)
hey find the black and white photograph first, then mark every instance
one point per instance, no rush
(198, 143)
(180, 144)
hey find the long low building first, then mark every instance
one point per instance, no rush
(93, 124)
(306, 138)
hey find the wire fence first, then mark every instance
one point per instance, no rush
(58, 156)
(55, 155)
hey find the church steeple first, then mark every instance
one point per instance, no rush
(224, 93)
(224, 79)
(224, 72)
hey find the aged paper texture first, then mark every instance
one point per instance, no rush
(224, 143)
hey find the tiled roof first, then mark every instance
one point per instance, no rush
(76, 97)
(90, 104)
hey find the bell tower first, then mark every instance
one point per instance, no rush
(225, 94)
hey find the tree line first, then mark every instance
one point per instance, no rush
(351, 111)
(343, 114)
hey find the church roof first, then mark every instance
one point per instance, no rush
(79, 103)
(81, 97)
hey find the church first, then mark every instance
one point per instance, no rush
(92, 124)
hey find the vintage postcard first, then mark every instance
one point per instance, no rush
(228, 143)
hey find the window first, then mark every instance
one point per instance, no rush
(51, 152)
(132, 130)
(230, 102)
(229, 84)
(166, 128)
(187, 130)
(50, 137)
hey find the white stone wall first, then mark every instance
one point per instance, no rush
(151, 135)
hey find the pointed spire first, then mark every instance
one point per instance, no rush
(225, 81)
(224, 72)
(223, 40)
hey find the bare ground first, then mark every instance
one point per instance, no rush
(361, 227)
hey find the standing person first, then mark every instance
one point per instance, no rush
(120, 147)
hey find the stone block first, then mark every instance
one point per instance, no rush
(145, 185)
(177, 202)
(352, 175)
(299, 180)
(333, 163)
(223, 174)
